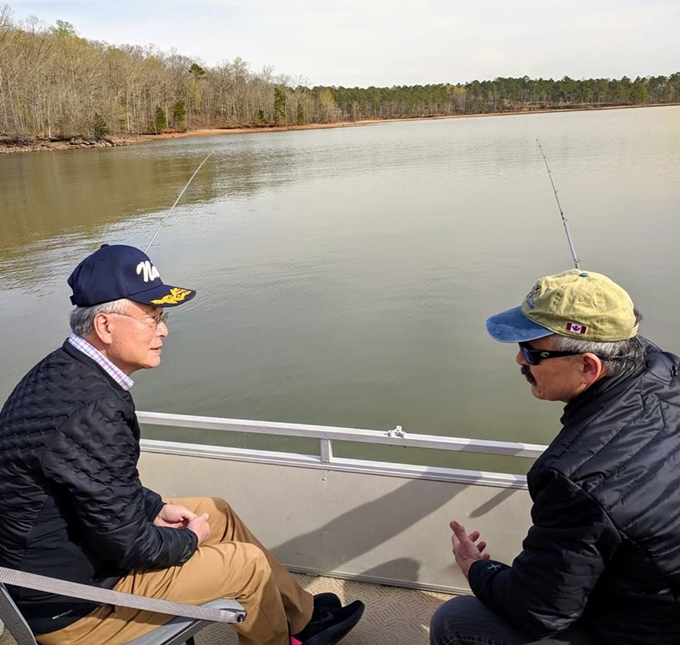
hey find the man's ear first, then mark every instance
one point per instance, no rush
(102, 328)
(593, 369)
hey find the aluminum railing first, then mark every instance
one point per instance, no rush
(326, 435)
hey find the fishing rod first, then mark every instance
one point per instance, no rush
(160, 226)
(557, 199)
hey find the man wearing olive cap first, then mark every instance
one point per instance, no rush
(601, 562)
(71, 503)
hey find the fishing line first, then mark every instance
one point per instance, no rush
(160, 226)
(557, 199)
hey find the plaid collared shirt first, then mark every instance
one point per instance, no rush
(115, 373)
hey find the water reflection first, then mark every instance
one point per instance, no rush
(53, 201)
(344, 276)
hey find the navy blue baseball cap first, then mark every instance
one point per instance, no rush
(117, 271)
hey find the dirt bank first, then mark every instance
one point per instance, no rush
(37, 144)
(8, 144)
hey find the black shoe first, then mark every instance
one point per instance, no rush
(328, 600)
(331, 624)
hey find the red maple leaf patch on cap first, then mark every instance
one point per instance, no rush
(576, 328)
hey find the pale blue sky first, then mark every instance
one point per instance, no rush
(392, 42)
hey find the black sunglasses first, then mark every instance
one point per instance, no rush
(534, 356)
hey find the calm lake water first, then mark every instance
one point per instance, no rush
(344, 275)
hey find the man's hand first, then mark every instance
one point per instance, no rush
(174, 516)
(199, 525)
(466, 549)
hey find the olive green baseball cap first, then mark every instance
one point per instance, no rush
(576, 304)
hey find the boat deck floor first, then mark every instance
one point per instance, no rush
(393, 614)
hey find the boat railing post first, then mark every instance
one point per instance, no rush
(326, 450)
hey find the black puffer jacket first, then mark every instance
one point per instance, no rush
(71, 502)
(605, 540)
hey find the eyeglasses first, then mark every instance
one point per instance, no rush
(149, 321)
(534, 356)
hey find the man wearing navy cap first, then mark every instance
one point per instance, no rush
(601, 562)
(71, 503)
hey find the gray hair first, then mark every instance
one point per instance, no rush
(82, 318)
(619, 357)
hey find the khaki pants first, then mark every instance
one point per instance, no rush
(231, 563)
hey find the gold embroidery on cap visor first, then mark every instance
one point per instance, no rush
(175, 297)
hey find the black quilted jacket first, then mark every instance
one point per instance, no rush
(605, 540)
(71, 503)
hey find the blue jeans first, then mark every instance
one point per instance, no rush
(467, 621)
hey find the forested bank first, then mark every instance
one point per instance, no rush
(56, 84)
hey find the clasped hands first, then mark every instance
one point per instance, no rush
(176, 516)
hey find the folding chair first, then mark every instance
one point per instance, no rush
(180, 629)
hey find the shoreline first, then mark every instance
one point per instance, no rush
(9, 146)
(207, 132)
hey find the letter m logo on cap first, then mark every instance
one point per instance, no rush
(575, 328)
